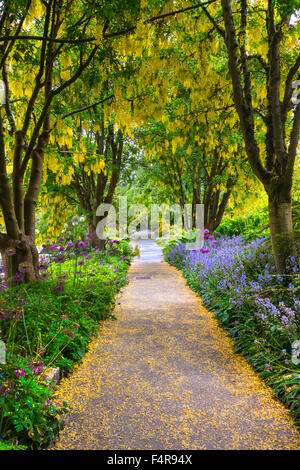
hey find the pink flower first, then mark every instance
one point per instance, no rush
(69, 333)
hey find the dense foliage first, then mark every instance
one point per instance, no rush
(162, 101)
(49, 324)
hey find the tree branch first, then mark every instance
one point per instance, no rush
(87, 107)
(106, 35)
(288, 91)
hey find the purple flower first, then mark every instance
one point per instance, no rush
(10, 251)
(43, 276)
(83, 253)
(24, 267)
(20, 373)
(22, 302)
(18, 277)
(60, 258)
(59, 287)
(206, 234)
(42, 266)
(81, 245)
(70, 245)
(36, 368)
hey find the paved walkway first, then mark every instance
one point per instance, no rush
(164, 376)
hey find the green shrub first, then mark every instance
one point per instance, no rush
(50, 323)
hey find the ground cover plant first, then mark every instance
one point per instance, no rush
(49, 323)
(260, 309)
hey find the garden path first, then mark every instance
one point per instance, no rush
(164, 376)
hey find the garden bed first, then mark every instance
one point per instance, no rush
(49, 324)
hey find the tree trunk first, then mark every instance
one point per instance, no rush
(94, 240)
(281, 228)
(280, 162)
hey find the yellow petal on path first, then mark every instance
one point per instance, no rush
(164, 376)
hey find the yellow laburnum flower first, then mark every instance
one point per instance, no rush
(98, 33)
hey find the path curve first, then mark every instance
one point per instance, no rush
(164, 376)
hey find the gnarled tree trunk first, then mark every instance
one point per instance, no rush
(100, 188)
(281, 229)
(23, 261)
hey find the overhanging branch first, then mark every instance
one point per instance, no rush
(87, 107)
(105, 35)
